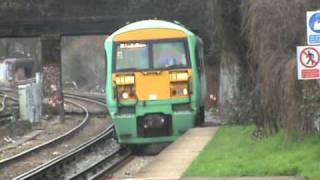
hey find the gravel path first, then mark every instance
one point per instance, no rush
(134, 166)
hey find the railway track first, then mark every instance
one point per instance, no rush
(95, 96)
(10, 164)
(91, 160)
(11, 160)
(5, 97)
(7, 113)
(101, 151)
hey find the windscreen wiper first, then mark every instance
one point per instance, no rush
(174, 66)
(128, 69)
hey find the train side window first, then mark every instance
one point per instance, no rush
(106, 64)
(200, 58)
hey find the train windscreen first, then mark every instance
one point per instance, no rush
(150, 55)
(169, 55)
(132, 56)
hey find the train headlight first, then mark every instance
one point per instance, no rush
(185, 91)
(179, 90)
(125, 95)
(126, 92)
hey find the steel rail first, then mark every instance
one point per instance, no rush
(94, 171)
(88, 99)
(6, 89)
(29, 152)
(59, 163)
(3, 102)
(105, 165)
(6, 117)
(94, 97)
(8, 97)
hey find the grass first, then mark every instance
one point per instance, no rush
(234, 152)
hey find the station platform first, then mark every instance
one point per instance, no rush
(177, 157)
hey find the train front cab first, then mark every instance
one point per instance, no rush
(154, 90)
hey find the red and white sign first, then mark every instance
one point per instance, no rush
(308, 58)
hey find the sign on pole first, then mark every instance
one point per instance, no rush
(308, 58)
(313, 27)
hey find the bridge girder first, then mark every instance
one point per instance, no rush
(23, 18)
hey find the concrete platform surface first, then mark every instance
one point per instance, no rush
(177, 157)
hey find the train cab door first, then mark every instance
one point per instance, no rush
(202, 79)
(201, 70)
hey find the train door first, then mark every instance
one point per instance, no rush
(201, 69)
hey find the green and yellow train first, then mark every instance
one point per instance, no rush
(155, 82)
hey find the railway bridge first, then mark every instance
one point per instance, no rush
(52, 19)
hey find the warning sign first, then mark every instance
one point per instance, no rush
(313, 73)
(313, 27)
(308, 58)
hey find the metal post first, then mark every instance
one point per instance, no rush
(51, 71)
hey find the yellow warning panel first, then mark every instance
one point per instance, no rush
(152, 85)
(150, 34)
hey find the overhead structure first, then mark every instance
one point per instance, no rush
(80, 17)
(51, 19)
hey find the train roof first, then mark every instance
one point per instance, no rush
(149, 24)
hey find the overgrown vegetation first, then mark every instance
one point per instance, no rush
(273, 31)
(269, 89)
(236, 151)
